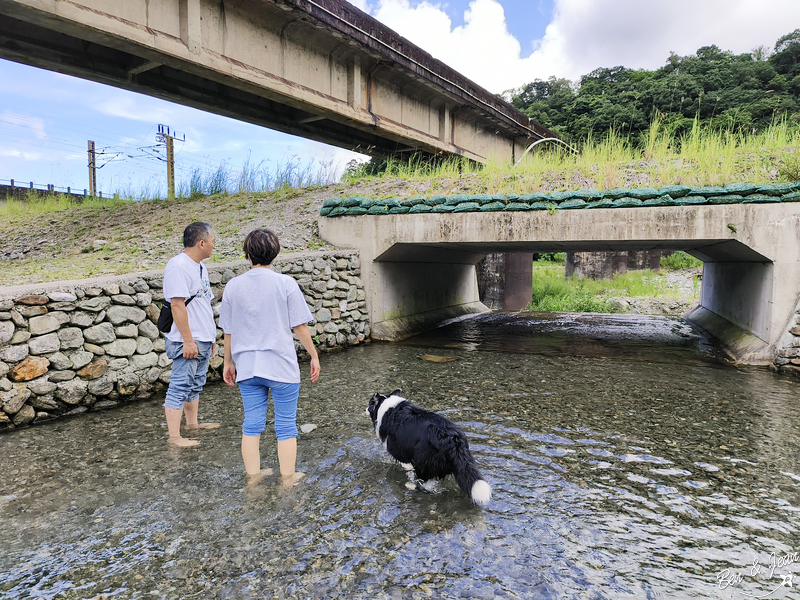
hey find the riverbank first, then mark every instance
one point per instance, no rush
(668, 292)
(682, 295)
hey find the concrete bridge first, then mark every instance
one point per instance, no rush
(419, 269)
(319, 69)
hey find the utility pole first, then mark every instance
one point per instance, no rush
(92, 170)
(167, 137)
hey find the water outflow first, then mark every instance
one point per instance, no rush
(625, 462)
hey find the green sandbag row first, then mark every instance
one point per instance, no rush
(673, 195)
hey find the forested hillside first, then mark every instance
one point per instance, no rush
(726, 91)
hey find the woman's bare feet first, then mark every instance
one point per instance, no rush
(256, 477)
(203, 426)
(182, 442)
(289, 481)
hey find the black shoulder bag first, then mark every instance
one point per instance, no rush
(165, 319)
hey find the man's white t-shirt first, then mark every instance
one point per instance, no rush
(183, 278)
(259, 310)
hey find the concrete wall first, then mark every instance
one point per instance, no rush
(414, 296)
(604, 265)
(505, 281)
(70, 347)
(740, 292)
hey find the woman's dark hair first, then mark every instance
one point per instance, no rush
(261, 246)
(195, 232)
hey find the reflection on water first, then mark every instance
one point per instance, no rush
(625, 463)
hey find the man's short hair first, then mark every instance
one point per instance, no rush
(261, 246)
(196, 232)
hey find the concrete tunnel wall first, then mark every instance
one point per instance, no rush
(416, 296)
(740, 292)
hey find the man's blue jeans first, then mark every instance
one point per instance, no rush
(188, 374)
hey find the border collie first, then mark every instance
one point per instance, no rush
(433, 446)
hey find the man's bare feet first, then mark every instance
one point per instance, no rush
(289, 481)
(203, 426)
(256, 477)
(182, 442)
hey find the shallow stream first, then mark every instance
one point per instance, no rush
(625, 461)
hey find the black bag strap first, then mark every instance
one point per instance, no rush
(197, 294)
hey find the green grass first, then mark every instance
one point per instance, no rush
(701, 157)
(33, 203)
(553, 293)
(680, 260)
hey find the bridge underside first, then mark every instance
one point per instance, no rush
(735, 299)
(750, 286)
(323, 70)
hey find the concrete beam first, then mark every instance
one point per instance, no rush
(322, 70)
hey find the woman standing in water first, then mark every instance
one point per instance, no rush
(259, 311)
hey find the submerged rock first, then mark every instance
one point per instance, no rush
(438, 359)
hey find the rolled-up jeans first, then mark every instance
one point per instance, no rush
(188, 374)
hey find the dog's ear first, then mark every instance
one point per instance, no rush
(397, 392)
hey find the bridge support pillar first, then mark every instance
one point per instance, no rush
(736, 304)
(505, 280)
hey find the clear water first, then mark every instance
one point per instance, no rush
(625, 461)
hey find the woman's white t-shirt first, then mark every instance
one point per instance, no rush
(259, 310)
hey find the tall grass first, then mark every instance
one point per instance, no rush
(261, 177)
(258, 177)
(552, 292)
(703, 156)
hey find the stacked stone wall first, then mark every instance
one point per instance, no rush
(787, 355)
(71, 347)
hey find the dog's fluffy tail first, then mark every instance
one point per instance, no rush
(468, 476)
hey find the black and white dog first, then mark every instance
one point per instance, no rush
(430, 444)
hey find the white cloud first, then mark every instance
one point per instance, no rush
(23, 126)
(138, 108)
(585, 34)
(28, 156)
(482, 49)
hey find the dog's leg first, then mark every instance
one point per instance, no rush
(420, 486)
(407, 466)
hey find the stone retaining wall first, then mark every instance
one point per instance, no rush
(787, 356)
(70, 347)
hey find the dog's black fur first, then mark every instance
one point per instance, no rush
(434, 446)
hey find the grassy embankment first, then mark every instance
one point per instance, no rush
(54, 238)
(552, 292)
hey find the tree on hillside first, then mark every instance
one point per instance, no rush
(738, 92)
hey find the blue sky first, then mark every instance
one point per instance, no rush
(47, 118)
(526, 19)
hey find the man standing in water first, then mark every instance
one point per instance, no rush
(191, 341)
